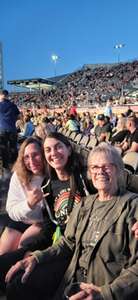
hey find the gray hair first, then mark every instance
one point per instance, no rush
(115, 158)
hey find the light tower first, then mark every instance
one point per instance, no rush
(55, 58)
(119, 47)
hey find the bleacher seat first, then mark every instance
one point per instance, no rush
(76, 142)
(84, 141)
(92, 142)
(78, 138)
(61, 129)
(130, 160)
(68, 133)
(73, 135)
(64, 131)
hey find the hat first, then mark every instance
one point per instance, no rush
(101, 117)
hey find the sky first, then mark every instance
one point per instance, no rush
(78, 31)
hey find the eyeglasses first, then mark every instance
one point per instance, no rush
(105, 168)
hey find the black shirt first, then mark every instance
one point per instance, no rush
(132, 137)
(119, 136)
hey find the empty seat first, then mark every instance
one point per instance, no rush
(130, 160)
(78, 138)
(61, 129)
(76, 142)
(92, 142)
(64, 131)
(84, 141)
(73, 135)
(67, 133)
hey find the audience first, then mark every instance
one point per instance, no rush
(72, 124)
(90, 85)
(28, 127)
(103, 129)
(44, 192)
(130, 143)
(103, 259)
(63, 189)
(120, 131)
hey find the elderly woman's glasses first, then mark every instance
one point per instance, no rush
(105, 168)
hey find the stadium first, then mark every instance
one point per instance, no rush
(97, 103)
(90, 87)
(69, 150)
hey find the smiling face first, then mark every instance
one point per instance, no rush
(56, 153)
(103, 173)
(33, 159)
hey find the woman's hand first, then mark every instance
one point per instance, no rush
(89, 292)
(34, 196)
(27, 264)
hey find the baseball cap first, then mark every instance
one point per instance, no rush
(101, 117)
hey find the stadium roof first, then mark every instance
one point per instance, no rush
(34, 83)
(38, 83)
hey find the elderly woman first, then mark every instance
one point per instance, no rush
(98, 239)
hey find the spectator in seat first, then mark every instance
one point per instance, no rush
(103, 128)
(72, 124)
(120, 131)
(28, 128)
(130, 143)
(48, 125)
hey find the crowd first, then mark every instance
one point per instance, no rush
(86, 86)
(121, 130)
(62, 222)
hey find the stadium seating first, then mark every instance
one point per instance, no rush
(92, 142)
(61, 129)
(84, 141)
(73, 135)
(68, 133)
(131, 161)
